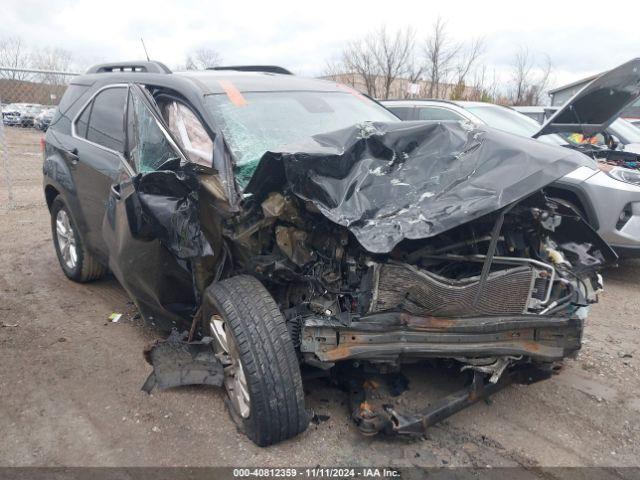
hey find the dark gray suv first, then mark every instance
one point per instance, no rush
(280, 221)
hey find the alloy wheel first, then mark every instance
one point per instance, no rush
(235, 380)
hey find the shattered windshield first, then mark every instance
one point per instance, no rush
(266, 121)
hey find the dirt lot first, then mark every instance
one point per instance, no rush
(70, 381)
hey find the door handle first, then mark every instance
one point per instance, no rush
(115, 191)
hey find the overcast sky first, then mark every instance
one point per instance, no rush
(581, 38)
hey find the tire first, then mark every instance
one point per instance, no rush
(85, 268)
(257, 336)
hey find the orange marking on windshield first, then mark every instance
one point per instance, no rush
(233, 93)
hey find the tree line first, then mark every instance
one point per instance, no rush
(436, 66)
(15, 53)
(383, 63)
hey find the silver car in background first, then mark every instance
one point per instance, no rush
(607, 196)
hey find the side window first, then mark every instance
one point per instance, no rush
(148, 147)
(106, 120)
(83, 122)
(405, 113)
(436, 113)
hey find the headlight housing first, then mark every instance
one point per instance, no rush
(623, 174)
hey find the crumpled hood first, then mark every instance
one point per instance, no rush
(387, 182)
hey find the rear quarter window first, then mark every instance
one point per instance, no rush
(62, 117)
(102, 120)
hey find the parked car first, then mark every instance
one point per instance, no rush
(607, 194)
(12, 114)
(363, 242)
(43, 119)
(20, 114)
(621, 132)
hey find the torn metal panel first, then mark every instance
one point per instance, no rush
(387, 182)
(169, 201)
(177, 362)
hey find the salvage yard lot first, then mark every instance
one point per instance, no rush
(70, 380)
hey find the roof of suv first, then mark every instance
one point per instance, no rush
(219, 81)
(259, 81)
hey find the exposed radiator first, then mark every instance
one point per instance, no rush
(399, 286)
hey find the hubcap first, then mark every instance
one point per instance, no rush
(235, 381)
(66, 240)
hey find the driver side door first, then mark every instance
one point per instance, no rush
(149, 221)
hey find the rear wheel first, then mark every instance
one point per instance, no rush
(77, 263)
(262, 375)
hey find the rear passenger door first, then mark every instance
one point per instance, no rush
(100, 143)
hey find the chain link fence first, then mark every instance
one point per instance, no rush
(28, 99)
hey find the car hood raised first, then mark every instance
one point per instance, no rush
(597, 105)
(386, 182)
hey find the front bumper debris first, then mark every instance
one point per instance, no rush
(177, 362)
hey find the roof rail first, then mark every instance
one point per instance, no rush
(255, 68)
(141, 66)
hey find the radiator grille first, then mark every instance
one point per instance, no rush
(418, 292)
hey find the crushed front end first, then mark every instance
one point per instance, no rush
(511, 286)
(383, 244)
(503, 295)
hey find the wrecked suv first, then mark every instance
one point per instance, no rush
(272, 222)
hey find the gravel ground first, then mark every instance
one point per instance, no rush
(70, 380)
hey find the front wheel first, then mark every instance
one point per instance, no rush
(262, 375)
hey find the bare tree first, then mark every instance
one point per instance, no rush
(541, 83)
(13, 54)
(392, 55)
(202, 58)
(414, 71)
(528, 82)
(376, 61)
(360, 57)
(521, 75)
(465, 62)
(53, 60)
(440, 53)
(338, 72)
